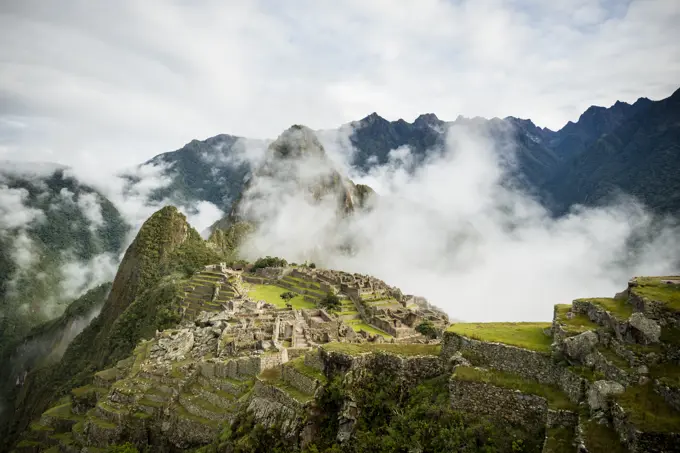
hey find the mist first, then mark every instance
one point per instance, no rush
(459, 231)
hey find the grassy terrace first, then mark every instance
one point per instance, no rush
(299, 364)
(358, 324)
(668, 373)
(647, 410)
(652, 288)
(577, 324)
(272, 376)
(63, 411)
(602, 438)
(555, 397)
(272, 294)
(394, 348)
(528, 335)
(559, 440)
(620, 308)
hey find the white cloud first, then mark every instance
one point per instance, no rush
(112, 86)
(13, 211)
(450, 231)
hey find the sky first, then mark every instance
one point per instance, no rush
(97, 84)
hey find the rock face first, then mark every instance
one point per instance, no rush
(600, 393)
(579, 346)
(649, 330)
(295, 171)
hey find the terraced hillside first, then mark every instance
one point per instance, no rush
(209, 290)
(608, 368)
(604, 376)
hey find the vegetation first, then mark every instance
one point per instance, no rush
(601, 438)
(528, 335)
(428, 329)
(358, 325)
(330, 302)
(652, 288)
(272, 295)
(555, 397)
(620, 308)
(647, 410)
(269, 261)
(575, 324)
(288, 295)
(394, 348)
(559, 440)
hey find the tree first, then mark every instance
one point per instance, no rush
(330, 302)
(312, 266)
(428, 329)
(269, 261)
(287, 296)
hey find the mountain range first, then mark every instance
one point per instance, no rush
(622, 149)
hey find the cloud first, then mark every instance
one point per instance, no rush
(176, 70)
(13, 211)
(457, 233)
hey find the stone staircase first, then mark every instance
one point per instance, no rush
(199, 291)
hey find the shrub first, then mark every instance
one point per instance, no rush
(330, 302)
(428, 329)
(269, 261)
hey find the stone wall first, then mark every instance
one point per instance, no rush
(313, 359)
(670, 394)
(274, 394)
(241, 367)
(302, 382)
(528, 364)
(255, 280)
(530, 412)
(641, 442)
(561, 418)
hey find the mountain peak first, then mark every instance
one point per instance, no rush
(295, 142)
(373, 118)
(427, 119)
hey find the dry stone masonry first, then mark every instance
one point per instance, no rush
(611, 364)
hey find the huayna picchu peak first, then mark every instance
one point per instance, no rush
(214, 356)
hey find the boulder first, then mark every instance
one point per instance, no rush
(579, 346)
(649, 331)
(600, 392)
(178, 344)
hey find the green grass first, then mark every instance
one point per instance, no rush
(559, 440)
(360, 325)
(668, 373)
(272, 376)
(272, 295)
(647, 410)
(577, 324)
(651, 288)
(150, 403)
(110, 374)
(299, 365)
(39, 427)
(87, 389)
(587, 373)
(620, 308)
(182, 412)
(614, 358)
(602, 439)
(62, 411)
(394, 348)
(528, 335)
(555, 397)
(102, 423)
